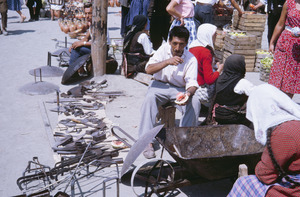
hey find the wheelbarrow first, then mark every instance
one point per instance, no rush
(202, 154)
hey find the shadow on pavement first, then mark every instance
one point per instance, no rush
(113, 28)
(78, 80)
(112, 12)
(217, 188)
(19, 32)
(11, 17)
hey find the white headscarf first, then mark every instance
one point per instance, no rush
(267, 106)
(205, 33)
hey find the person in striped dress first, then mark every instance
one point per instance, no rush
(183, 13)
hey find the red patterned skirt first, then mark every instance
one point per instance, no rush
(285, 72)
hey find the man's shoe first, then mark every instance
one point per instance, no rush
(31, 20)
(149, 152)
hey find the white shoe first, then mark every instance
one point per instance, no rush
(5, 33)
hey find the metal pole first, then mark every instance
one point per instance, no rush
(40, 75)
(66, 42)
(99, 33)
(49, 59)
(34, 71)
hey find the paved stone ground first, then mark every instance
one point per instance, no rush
(22, 130)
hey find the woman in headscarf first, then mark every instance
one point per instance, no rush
(276, 120)
(232, 92)
(137, 46)
(203, 49)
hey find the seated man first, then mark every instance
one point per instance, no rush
(83, 46)
(174, 70)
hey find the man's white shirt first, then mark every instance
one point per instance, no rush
(181, 75)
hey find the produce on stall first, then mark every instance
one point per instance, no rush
(265, 68)
(252, 23)
(219, 45)
(260, 54)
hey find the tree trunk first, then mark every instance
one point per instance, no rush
(99, 39)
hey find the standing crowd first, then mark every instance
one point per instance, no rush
(34, 7)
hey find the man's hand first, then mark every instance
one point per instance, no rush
(76, 44)
(183, 98)
(174, 60)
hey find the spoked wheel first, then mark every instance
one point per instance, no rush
(156, 177)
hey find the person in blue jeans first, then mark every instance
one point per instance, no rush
(83, 46)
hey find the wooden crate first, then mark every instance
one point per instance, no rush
(244, 45)
(249, 22)
(258, 58)
(220, 40)
(219, 55)
(249, 60)
(258, 35)
(264, 74)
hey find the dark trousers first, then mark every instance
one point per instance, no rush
(203, 14)
(4, 20)
(124, 19)
(3, 11)
(272, 21)
(159, 30)
(78, 52)
(35, 15)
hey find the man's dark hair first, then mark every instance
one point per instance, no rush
(180, 32)
(87, 5)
